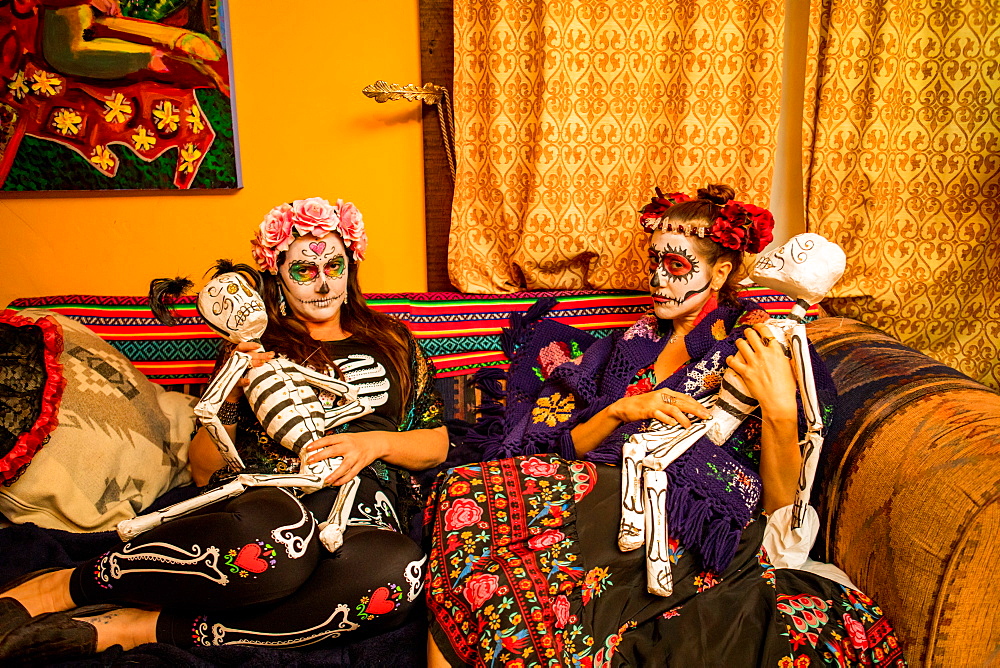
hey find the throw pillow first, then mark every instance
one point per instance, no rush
(121, 441)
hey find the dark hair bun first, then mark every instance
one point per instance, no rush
(716, 194)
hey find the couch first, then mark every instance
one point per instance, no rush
(907, 487)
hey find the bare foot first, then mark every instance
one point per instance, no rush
(128, 627)
(48, 592)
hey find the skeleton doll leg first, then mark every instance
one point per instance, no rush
(812, 443)
(129, 529)
(631, 533)
(658, 577)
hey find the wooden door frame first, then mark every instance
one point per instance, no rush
(437, 56)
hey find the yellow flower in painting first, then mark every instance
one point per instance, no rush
(143, 140)
(45, 83)
(553, 409)
(103, 158)
(718, 330)
(194, 119)
(67, 121)
(166, 116)
(18, 87)
(189, 156)
(118, 109)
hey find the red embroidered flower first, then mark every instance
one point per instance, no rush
(552, 355)
(642, 386)
(459, 488)
(479, 588)
(545, 539)
(561, 607)
(463, 513)
(537, 468)
(856, 631)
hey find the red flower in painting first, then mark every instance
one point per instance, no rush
(537, 468)
(479, 588)
(545, 539)
(463, 513)
(856, 631)
(561, 607)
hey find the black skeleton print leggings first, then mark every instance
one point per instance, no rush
(251, 570)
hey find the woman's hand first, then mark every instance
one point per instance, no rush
(359, 449)
(765, 369)
(257, 358)
(666, 406)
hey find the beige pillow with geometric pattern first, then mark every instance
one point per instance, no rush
(121, 441)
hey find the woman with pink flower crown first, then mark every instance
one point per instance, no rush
(227, 574)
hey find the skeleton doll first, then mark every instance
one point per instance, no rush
(805, 268)
(282, 394)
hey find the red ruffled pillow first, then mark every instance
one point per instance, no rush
(31, 388)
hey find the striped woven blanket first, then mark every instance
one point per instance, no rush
(459, 332)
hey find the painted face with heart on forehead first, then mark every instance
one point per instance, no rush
(314, 277)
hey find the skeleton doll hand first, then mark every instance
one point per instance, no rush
(358, 450)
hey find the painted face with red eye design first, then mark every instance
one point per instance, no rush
(680, 279)
(314, 277)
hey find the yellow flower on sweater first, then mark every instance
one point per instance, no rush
(553, 409)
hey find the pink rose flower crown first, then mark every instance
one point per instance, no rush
(315, 216)
(739, 226)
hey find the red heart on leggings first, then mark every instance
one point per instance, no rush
(249, 559)
(380, 603)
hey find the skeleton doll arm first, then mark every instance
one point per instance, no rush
(207, 409)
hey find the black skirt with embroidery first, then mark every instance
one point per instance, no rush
(525, 570)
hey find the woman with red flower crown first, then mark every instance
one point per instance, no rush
(251, 570)
(538, 578)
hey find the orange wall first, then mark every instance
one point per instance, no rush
(305, 130)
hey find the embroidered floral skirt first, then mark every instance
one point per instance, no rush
(525, 570)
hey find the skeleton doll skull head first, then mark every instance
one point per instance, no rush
(233, 308)
(805, 268)
(313, 276)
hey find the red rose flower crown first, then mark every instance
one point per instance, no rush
(739, 226)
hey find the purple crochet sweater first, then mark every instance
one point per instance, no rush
(560, 377)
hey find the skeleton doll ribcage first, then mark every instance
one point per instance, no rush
(367, 375)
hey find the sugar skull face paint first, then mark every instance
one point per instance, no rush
(314, 277)
(680, 279)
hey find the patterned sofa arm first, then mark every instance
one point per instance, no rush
(910, 500)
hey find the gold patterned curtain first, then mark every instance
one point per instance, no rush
(568, 112)
(903, 169)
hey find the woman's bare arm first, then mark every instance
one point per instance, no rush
(414, 450)
(768, 376)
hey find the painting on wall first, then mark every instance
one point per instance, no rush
(116, 95)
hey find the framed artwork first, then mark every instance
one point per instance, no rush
(116, 95)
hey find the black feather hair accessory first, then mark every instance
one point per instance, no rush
(163, 293)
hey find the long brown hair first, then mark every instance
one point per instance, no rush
(289, 336)
(704, 210)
